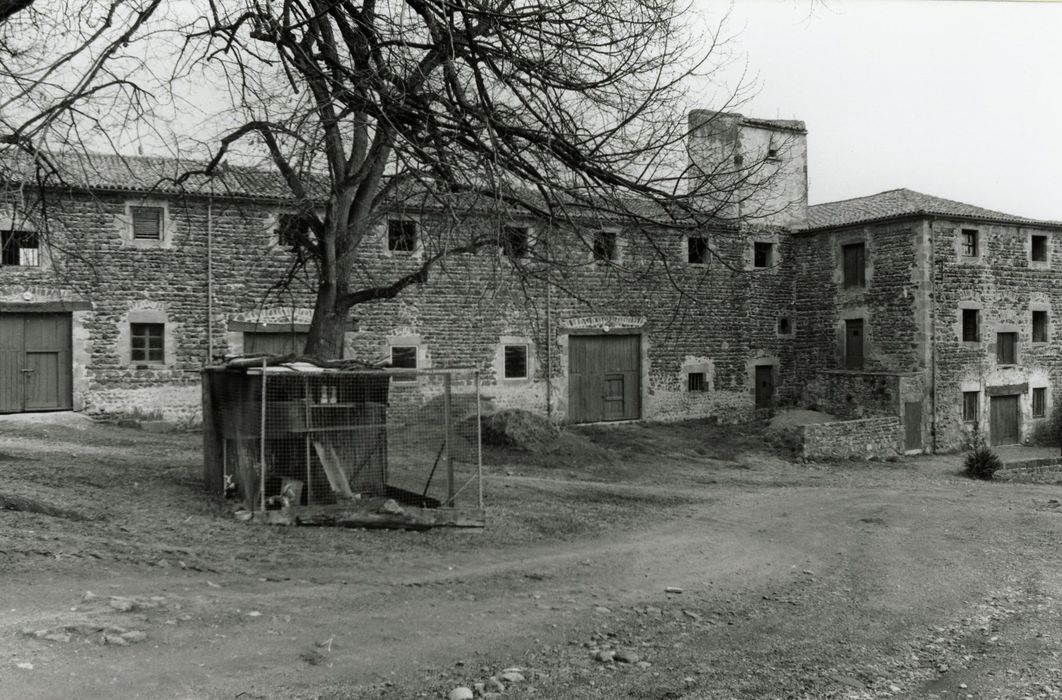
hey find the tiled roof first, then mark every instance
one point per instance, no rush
(146, 174)
(902, 202)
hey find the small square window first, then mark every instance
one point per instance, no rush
(696, 250)
(1039, 402)
(855, 265)
(1007, 348)
(971, 325)
(762, 254)
(784, 326)
(1038, 249)
(604, 246)
(401, 235)
(147, 342)
(970, 244)
(1039, 326)
(970, 406)
(515, 241)
(147, 223)
(739, 160)
(19, 248)
(291, 229)
(404, 356)
(695, 381)
(772, 153)
(515, 362)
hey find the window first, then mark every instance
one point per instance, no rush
(147, 342)
(739, 160)
(1039, 326)
(515, 362)
(784, 327)
(290, 228)
(971, 325)
(855, 264)
(762, 254)
(1007, 348)
(20, 248)
(969, 243)
(604, 246)
(695, 382)
(404, 356)
(1039, 402)
(971, 406)
(696, 250)
(853, 343)
(514, 241)
(772, 153)
(401, 235)
(147, 223)
(1038, 249)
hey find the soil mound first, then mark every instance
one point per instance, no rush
(518, 429)
(783, 432)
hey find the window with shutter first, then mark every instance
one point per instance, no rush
(854, 257)
(1039, 402)
(147, 223)
(1007, 348)
(1039, 326)
(970, 406)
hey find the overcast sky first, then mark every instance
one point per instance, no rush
(955, 99)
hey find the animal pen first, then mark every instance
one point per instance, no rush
(316, 444)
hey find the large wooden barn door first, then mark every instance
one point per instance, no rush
(1005, 423)
(35, 363)
(604, 378)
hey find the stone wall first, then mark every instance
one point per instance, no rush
(1032, 471)
(720, 317)
(867, 438)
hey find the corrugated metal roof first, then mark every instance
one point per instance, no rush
(903, 202)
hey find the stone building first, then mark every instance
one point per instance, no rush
(117, 287)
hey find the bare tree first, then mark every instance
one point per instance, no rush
(567, 111)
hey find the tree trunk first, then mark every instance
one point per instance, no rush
(330, 322)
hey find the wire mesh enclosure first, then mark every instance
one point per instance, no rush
(348, 447)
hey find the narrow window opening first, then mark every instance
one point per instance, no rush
(971, 331)
(969, 243)
(855, 265)
(784, 327)
(1039, 402)
(1007, 348)
(1039, 326)
(697, 250)
(516, 362)
(1038, 249)
(970, 406)
(401, 235)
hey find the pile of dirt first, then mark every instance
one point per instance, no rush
(518, 429)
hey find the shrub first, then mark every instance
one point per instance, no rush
(982, 463)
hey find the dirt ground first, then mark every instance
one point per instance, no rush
(699, 562)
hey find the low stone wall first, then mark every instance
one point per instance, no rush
(1047, 470)
(866, 438)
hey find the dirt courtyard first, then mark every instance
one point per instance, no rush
(636, 561)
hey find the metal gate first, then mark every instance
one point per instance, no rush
(35, 362)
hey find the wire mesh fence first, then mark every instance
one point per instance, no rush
(326, 437)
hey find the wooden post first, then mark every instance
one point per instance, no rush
(479, 443)
(261, 442)
(447, 381)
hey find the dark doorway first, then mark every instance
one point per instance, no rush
(853, 343)
(912, 422)
(764, 386)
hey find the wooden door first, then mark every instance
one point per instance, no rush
(604, 378)
(853, 343)
(1005, 420)
(35, 362)
(764, 386)
(912, 422)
